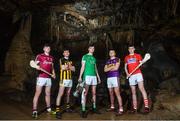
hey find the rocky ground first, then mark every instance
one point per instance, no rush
(165, 107)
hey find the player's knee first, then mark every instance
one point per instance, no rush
(133, 92)
(68, 93)
(111, 93)
(94, 93)
(37, 93)
(61, 94)
(48, 94)
(85, 93)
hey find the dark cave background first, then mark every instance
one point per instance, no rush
(152, 26)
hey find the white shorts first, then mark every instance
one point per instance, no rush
(112, 82)
(43, 81)
(134, 79)
(91, 80)
(66, 83)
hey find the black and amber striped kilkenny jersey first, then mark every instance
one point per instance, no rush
(65, 74)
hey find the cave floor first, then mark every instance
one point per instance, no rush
(22, 111)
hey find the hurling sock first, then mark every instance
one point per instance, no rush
(146, 104)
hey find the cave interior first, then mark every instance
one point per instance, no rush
(152, 26)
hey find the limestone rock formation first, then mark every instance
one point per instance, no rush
(19, 54)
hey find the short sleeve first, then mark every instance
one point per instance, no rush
(84, 59)
(118, 60)
(52, 59)
(125, 59)
(107, 62)
(139, 57)
(95, 60)
(38, 58)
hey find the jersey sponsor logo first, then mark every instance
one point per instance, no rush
(46, 62)
(131, 60)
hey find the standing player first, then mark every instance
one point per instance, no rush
(66, 68)
(45, 62)
(131, 61)
(113, 82)
(90, 76)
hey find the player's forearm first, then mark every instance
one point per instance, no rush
(125, 68)
(116, 67)
(106, 69)
(73, 68)
(63, 67)
(53, 72)
(81, 72)
(97, 74)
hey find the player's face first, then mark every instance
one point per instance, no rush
(47, 49)
(91, 49)
(131, 50)
(112, 53)
(66, 53)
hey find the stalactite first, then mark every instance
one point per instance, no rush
(19, 54)
(51, 24)
(174, 8)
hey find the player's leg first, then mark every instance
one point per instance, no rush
(116, 86)
(94, 85)
(94, 96)
(117, 92)
(48, 94)
(143, 91)
(48, 98)
(39, 85)
(83, 101)
(36, 96)
(132, 83)
(35, 100)
(111, 94)
(134, 98)
(60, 94)
(58, 101)
(85, 92)
(68, 92)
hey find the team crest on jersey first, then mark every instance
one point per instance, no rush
(131, 60)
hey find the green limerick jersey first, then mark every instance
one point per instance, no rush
(90, 62)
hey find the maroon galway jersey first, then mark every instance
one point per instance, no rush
(46, 63)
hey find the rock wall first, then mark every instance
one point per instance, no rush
(19, 54)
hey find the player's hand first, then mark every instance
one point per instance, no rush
(127, 75)
(38, 68)
(72, 68)
(65, 67)
(53, 76)
(80, 79)
(99, 80)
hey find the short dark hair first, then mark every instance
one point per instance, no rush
(111, 49)
(46, 45)
(91, 45)
(130, 45)
(65, 49)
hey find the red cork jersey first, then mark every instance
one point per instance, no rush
(132, 62)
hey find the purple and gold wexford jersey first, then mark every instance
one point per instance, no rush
(112, 62)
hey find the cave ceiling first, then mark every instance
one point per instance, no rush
(79, 19)
(75, 23)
